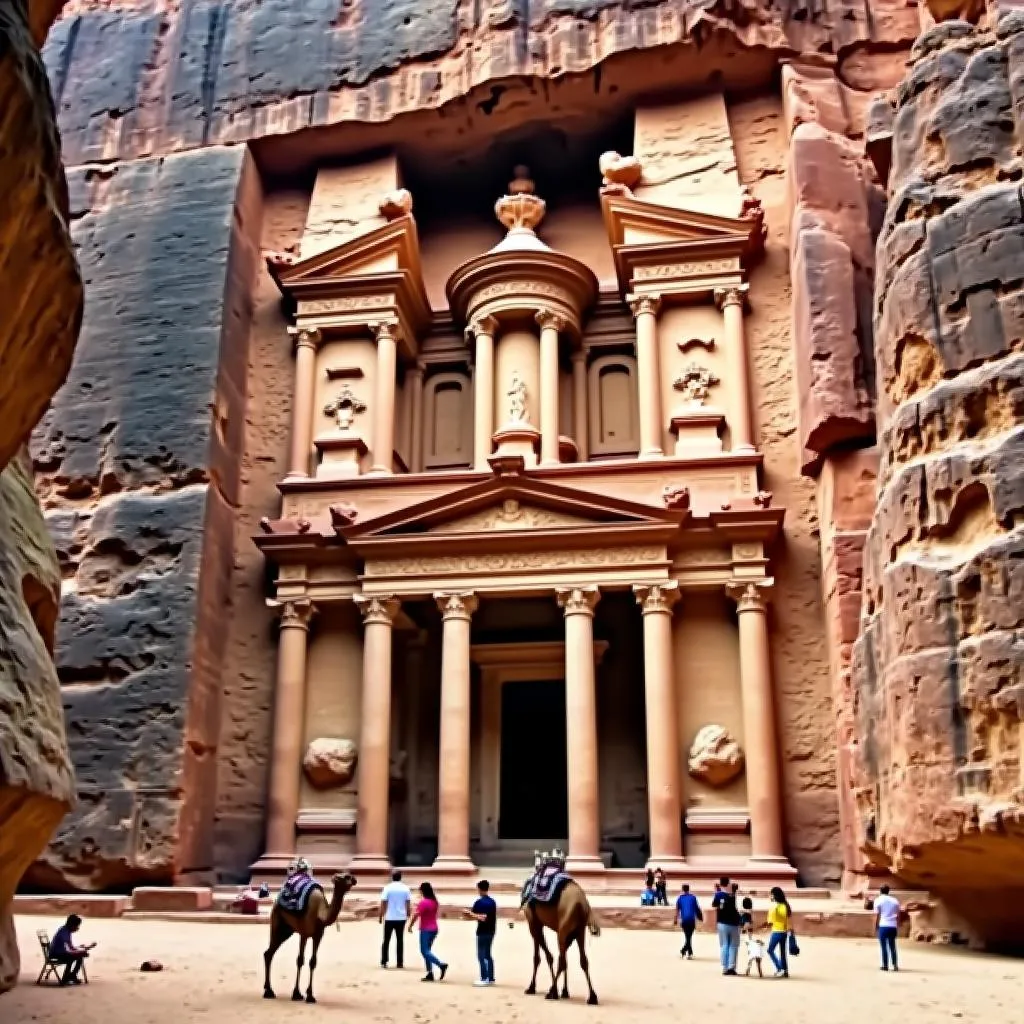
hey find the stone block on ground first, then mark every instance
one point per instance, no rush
(172, 898)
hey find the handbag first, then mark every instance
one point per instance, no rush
(794, 948)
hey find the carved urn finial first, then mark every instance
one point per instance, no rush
(521, 210)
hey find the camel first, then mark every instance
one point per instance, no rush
(569, 916)
(310, 925)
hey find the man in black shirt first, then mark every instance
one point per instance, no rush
(728, 919)
(485, 913)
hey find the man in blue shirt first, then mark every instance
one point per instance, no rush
(64, 951)
(688, 913)
(485, 912)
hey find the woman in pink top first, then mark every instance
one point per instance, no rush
(426, 914)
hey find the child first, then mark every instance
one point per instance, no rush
(755, 949)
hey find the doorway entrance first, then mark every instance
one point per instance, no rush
(533, 800)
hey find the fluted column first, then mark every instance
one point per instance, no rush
(731, 301)
(645, 309)
(384, 396)
(375, 732)
(306, 342)
(453, 816)
(551, 325)
(663, 778)
(580, 423)
(289, 727)
(581, 728)
(483, 330)
(415, 374)
(764, 793)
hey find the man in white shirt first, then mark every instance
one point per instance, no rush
(887, 926)
(395, 899)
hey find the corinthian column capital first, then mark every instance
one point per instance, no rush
(655, 598)
(305, 337)
(481, 325)
(732, 295)
(750, 595)
(384, 329)
(295, 614)
(648, 303)
(578, 600)
(378, 608)
(551, 319)
(457, 605)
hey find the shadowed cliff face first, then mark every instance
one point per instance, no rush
(40, 311)
(939, 666)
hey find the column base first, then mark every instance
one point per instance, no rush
(667, 860)
(775, 868)
(295, 474)
(378, 471)
(745, 449)
(584, 865)
(454, 865)
(372, 863)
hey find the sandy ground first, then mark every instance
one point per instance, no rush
(213, 973)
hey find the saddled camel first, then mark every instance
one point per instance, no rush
(319, 915)
(569, 916)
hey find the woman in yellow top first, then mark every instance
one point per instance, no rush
(779, 918)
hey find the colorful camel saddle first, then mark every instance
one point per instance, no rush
(295, 893)
(545, 884)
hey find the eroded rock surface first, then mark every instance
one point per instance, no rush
(939, 665)
(329, 762)
(715, 756)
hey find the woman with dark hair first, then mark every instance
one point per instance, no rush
(780, 917)
(426, 913)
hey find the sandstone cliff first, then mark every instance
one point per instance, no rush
(939, 665)
(39, 318)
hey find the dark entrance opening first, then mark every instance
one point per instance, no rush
(534, 780)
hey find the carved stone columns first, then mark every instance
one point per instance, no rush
(732, 301)
(483, 330)
(663, 787)
(415, 448)
(289, 727)
(579, 405)
(645, 309)
(551, 325)
(581, 728)
(763, 789)
(375, 732)
(384, 396)
(453, 817)
(306, 342)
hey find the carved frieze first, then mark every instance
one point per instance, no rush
(529, 561)
(697, 268)
(511, 515)
(347, 304)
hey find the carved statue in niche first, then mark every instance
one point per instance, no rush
(344, 407)
(695, 383)
(517, 399)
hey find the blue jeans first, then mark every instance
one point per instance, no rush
(777, 941)
(729, 945)
(887, 940)
(426, 942)
(483, 954)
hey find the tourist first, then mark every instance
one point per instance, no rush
(649, 879)
(688, 913)
(426, 914)
(887, 924)
(395, 899)
(780, 919)
(485, 912)
(248, 901)
(64, 951)
(647, 897)
(727, 916)
(660, 887)
(755, 947)
(747, 914)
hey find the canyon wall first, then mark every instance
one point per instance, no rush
(939, 664)
(160, 455)
(39, 320)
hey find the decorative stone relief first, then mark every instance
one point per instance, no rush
(523, 561)
(329, 762)
(457, 605)
(517, 399)
(342, 515)
(344, 407)
(695, 383)
(510, 515)
(696, 268)
(520, 210)
(578, 600)
(715, 757)
(621, 174)
(676, 497)
(396, 204)
(707, 344)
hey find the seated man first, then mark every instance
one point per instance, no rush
(64, 951)
(248, 902)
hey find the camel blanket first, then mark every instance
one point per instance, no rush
(544, 885)
(295, 893)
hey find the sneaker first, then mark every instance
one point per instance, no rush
(427, 977)
(444, 971)
(481, 983)
(779, 974)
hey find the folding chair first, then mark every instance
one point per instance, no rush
(51, 967)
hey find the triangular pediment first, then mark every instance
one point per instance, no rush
(633, 221)
(503, 505)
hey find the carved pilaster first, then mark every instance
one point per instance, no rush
(649, 303)
(384, 329)
(732, 295)
(378, 609)
(578, 600)
(295, 614)
(306, 337)
(751, 595)
(655, 598)
(457, 605)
